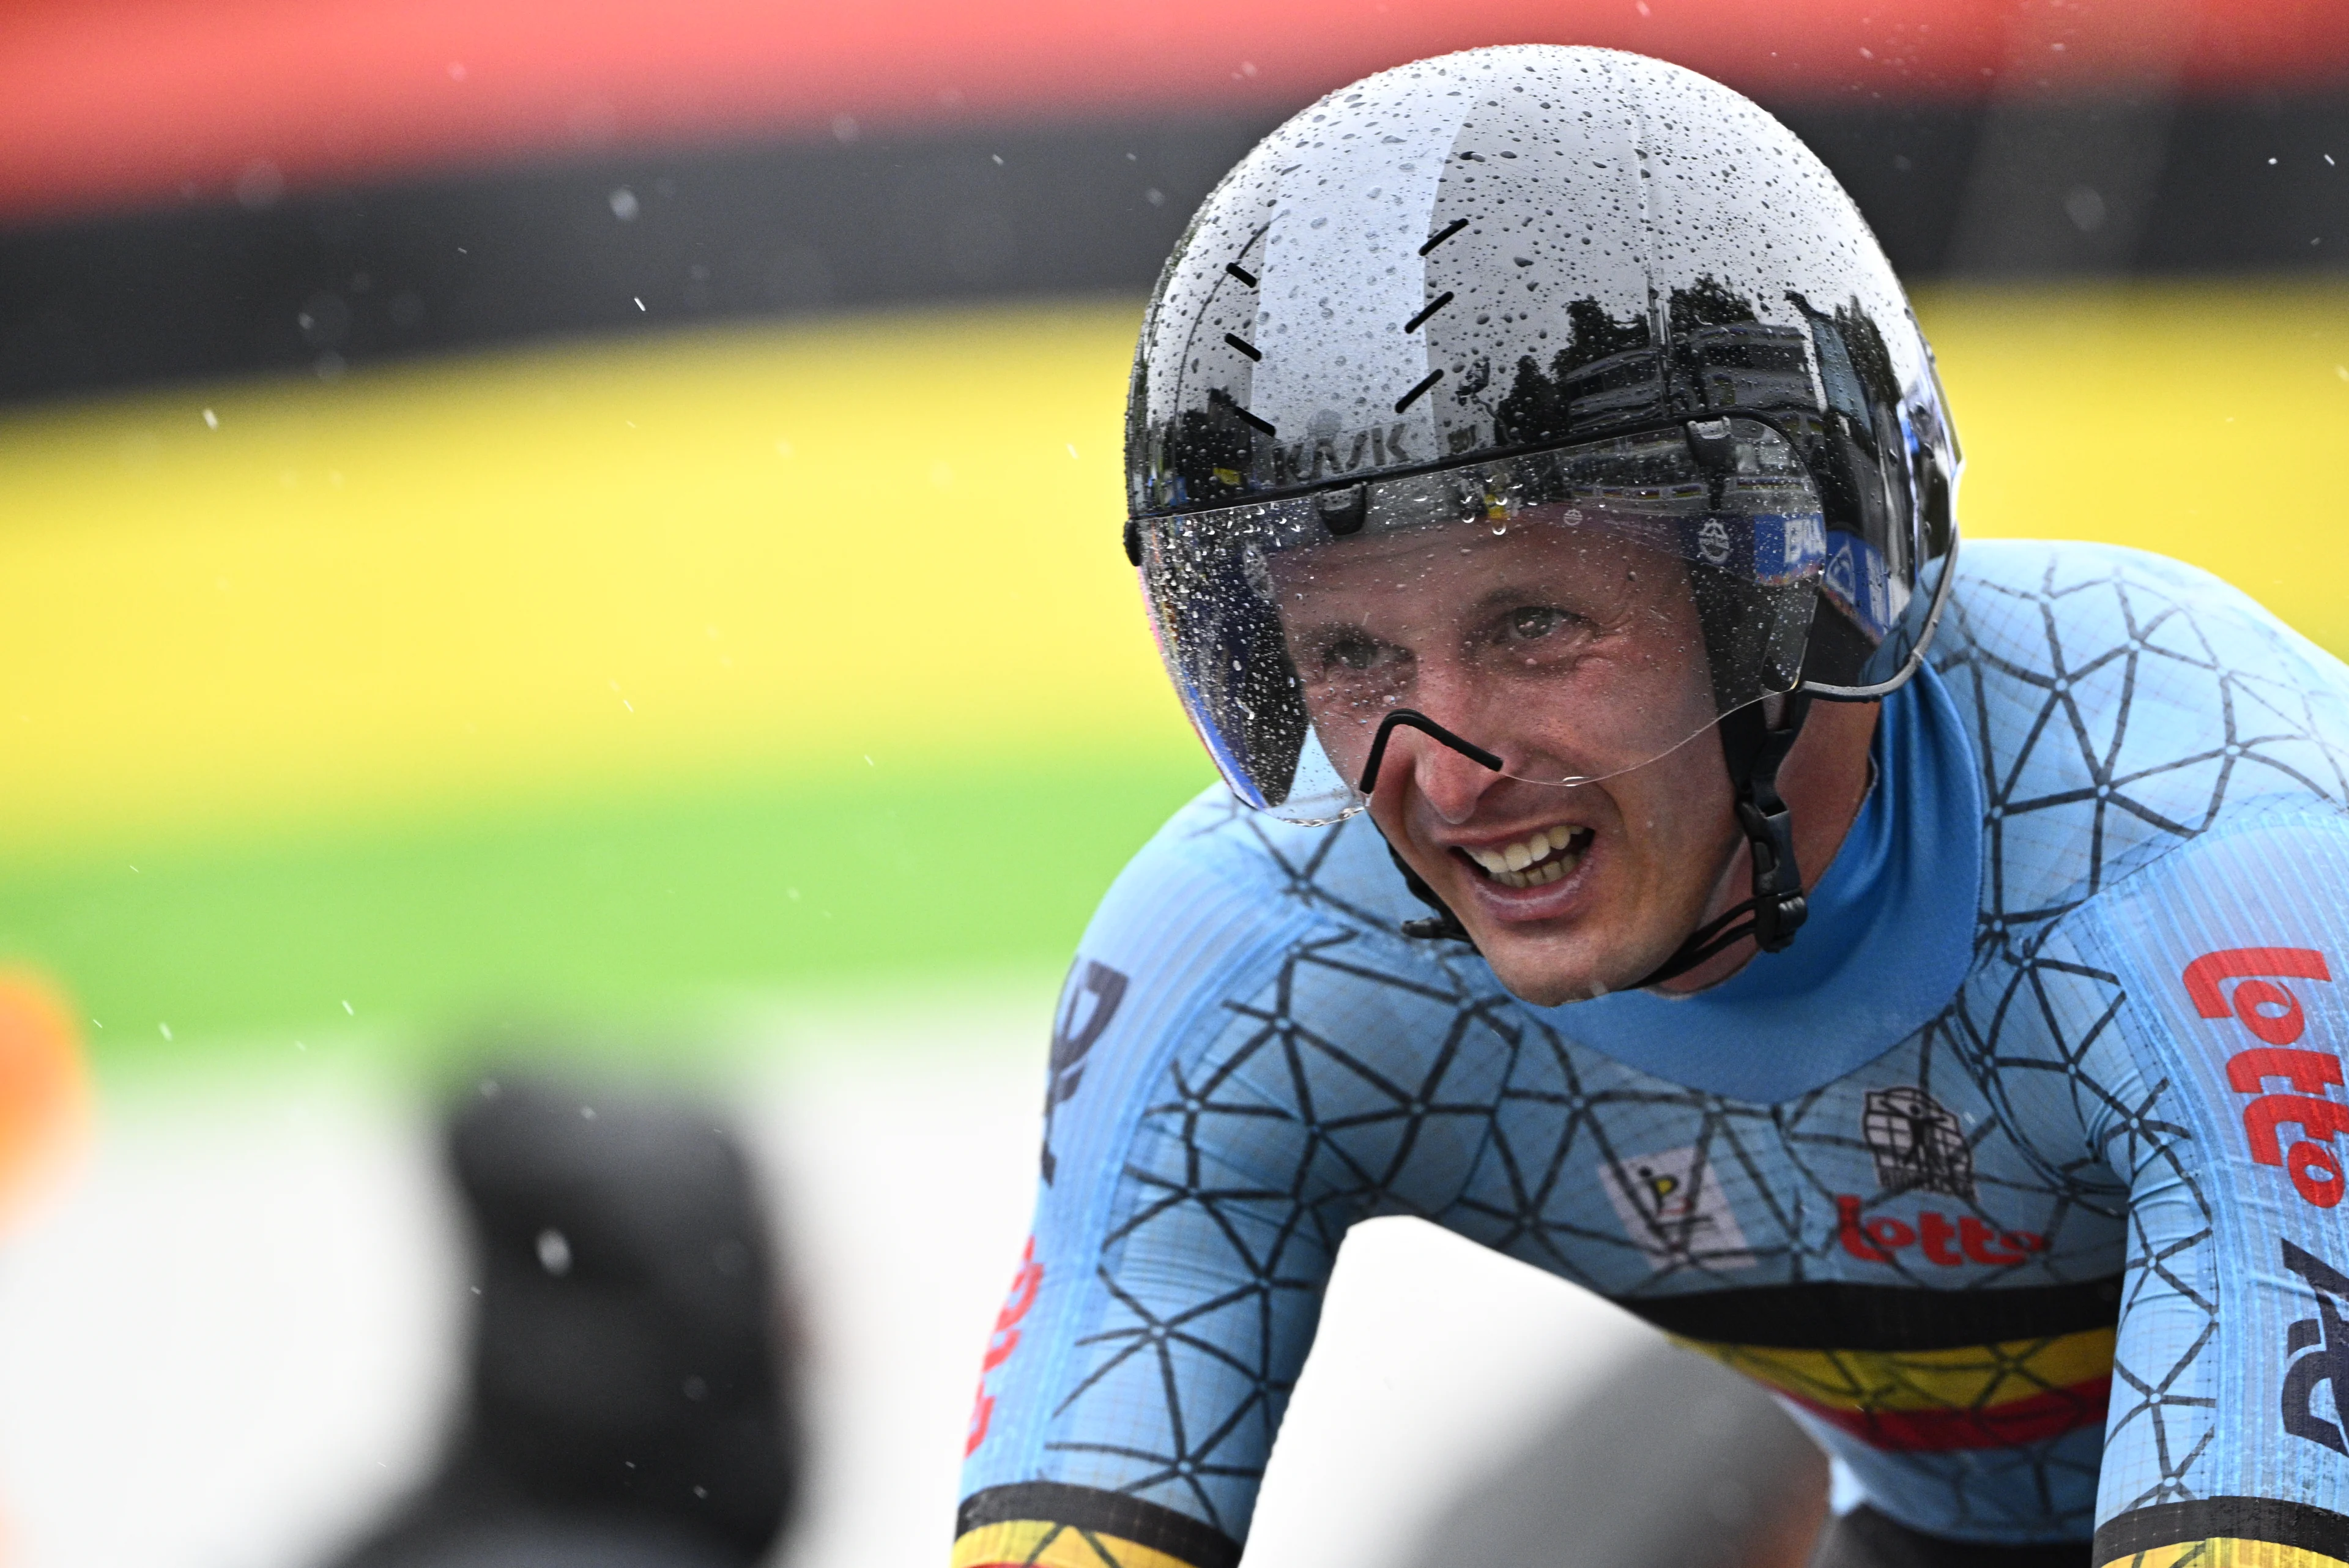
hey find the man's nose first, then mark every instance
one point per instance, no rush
(1451, 782)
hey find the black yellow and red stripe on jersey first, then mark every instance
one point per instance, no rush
(1044, 1524)
(2225, 1532)
(2055, 1258)
(1912, 1371)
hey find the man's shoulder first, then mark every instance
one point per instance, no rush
(2046, 608)
(1224, 881)
(2121, 704)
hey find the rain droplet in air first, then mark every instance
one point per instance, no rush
(554, 1252)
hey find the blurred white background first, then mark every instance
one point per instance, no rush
(236, 1335)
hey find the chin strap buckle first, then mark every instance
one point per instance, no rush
(1779, 907)
(1442, 926)
(1754, 747)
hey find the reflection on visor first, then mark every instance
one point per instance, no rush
(1579, 612)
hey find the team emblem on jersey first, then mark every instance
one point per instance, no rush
(1676, 1212)
(1918, 1142)
(2319, 1348)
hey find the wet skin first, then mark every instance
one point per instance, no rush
(1571, 653)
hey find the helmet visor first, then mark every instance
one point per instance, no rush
(1576, 612)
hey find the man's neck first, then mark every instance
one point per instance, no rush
(1824, 782)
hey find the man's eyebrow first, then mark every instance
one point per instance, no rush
(1493, 598)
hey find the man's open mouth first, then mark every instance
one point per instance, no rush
(1547, 855)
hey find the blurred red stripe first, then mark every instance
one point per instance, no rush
(109, 103)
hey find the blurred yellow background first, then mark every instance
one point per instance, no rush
(591, 675)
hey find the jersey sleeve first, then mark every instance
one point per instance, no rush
(1234, 1078)
(2217, 1081)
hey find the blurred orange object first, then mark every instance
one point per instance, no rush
(44, 1092)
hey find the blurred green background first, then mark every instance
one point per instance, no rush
(714, 603)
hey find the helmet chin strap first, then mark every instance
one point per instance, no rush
(1753, 746)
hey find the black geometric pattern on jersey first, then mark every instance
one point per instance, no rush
(2083, 775)
(1274, 1136)
(1348, 1159)
(2057, 1013)
(2095, 786)
(1093, 1512)
(1586, 1100)
(1842, 1317)
(2294, 1524)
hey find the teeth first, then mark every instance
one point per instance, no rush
(1533, 862)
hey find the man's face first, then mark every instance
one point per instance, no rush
(1571, 652)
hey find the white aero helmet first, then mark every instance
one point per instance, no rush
(1566, 303)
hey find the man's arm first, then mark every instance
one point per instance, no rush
(2228, 1437)
(1219, 1110)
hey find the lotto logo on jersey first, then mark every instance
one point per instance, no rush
(1002, 1342)
(1938, 1238)
(2271, 1015)
(1676, 1212)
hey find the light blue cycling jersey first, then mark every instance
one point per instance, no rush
(2016, 1178)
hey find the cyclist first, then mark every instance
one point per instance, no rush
(1645, 848)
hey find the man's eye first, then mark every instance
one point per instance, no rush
(1355, 652)
(1525, 625)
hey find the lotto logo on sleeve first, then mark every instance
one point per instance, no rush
(2271, 1014)
(1002, 1342)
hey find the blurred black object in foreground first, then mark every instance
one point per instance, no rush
(629, 1404)
(1671, 1462)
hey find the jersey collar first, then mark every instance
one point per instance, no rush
(1888, 939)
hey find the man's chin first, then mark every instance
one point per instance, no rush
(1551, 969)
